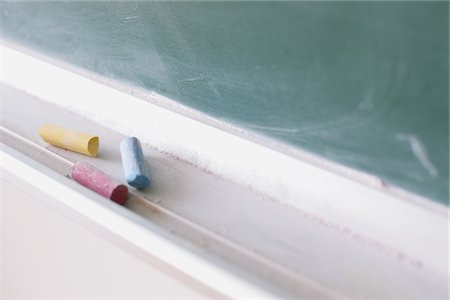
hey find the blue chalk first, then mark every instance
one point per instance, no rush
(133, 161)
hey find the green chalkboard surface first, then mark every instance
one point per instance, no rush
(361, 83)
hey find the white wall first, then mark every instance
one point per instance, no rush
(45, 254)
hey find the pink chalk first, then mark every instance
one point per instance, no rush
(99, 182)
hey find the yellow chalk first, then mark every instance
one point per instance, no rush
(71, 140)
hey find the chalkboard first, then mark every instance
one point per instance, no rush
(361, 83)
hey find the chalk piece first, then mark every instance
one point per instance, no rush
(71, 140)
(133, 162)
(99, 182)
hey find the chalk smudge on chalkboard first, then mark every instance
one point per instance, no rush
(130, 19)
(274, 129)
(206, 81)
(420, 152)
